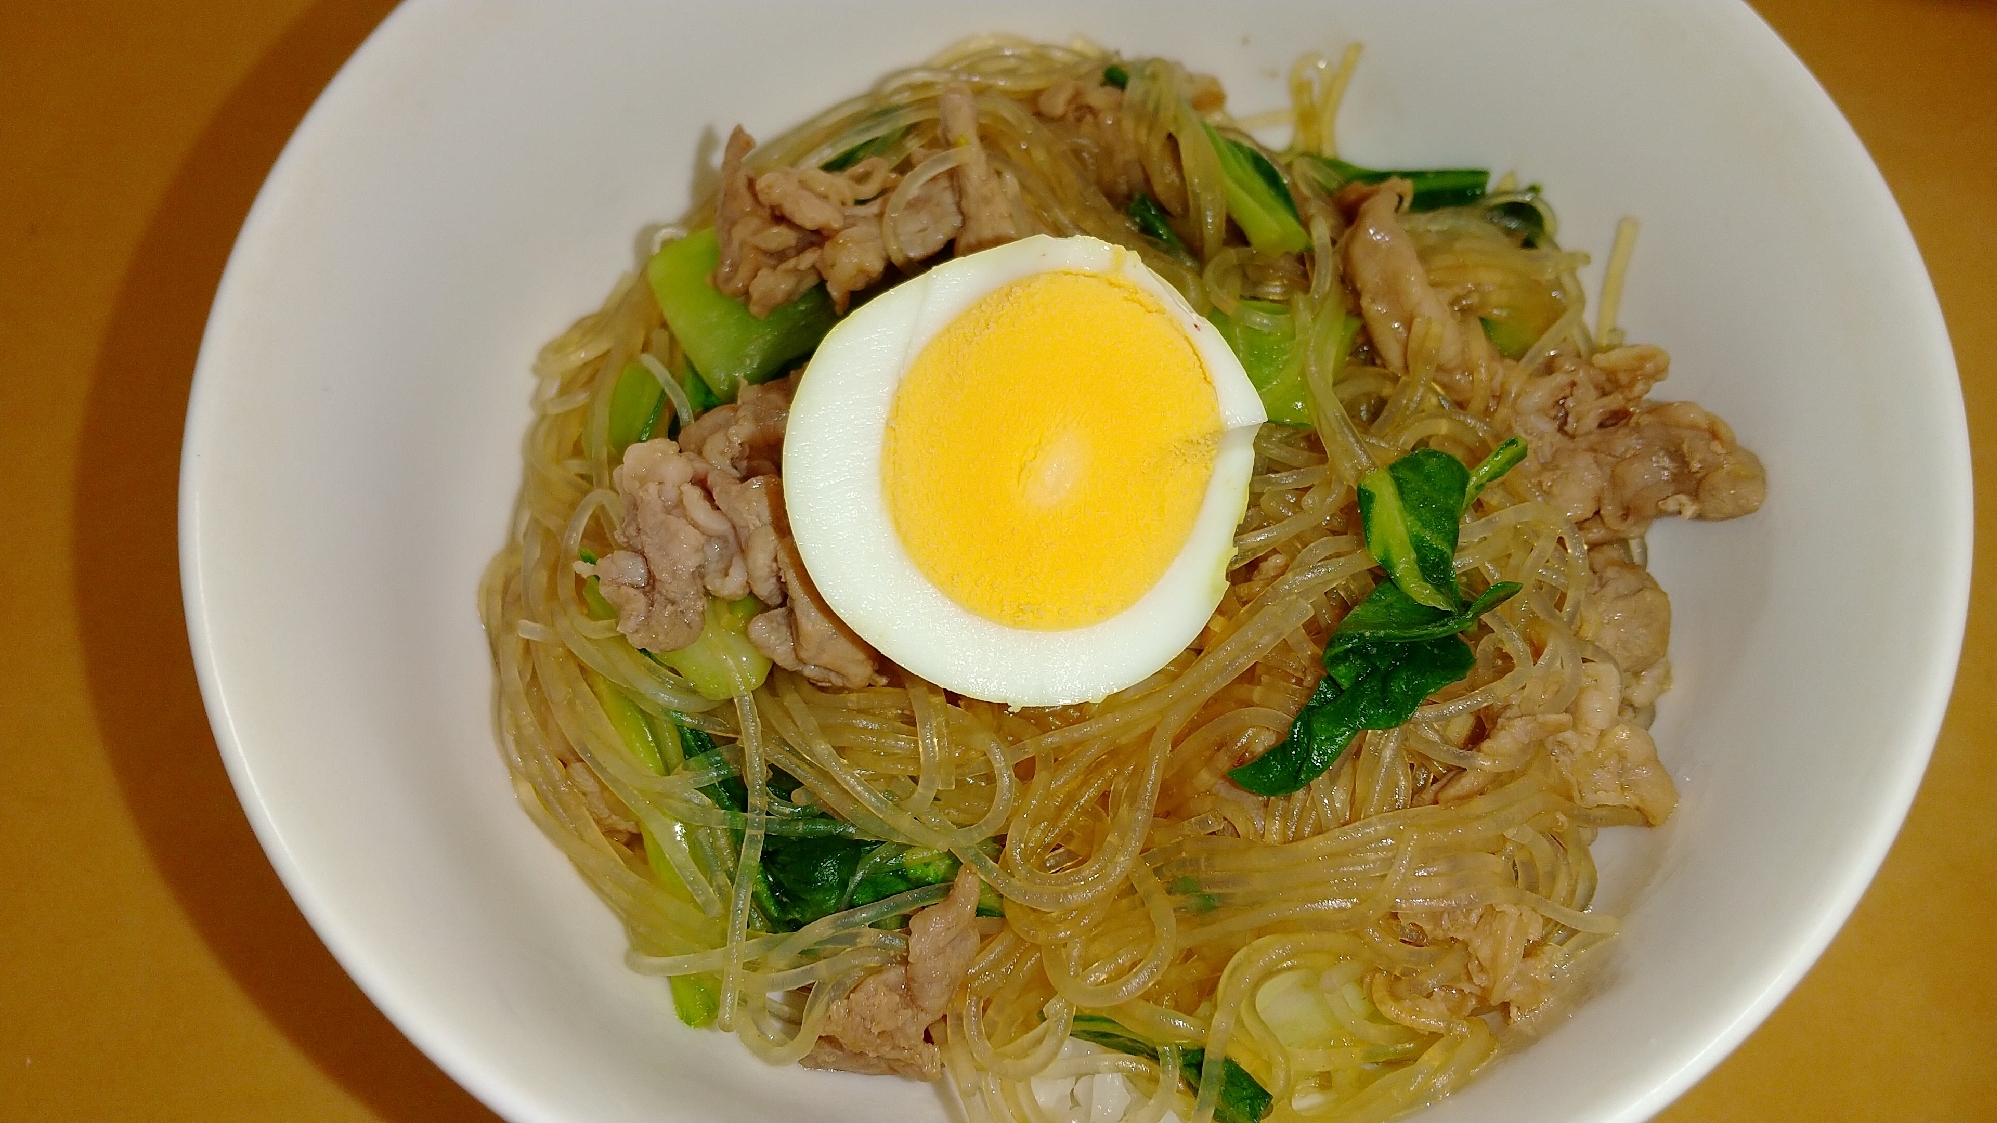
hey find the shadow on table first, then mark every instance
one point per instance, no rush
(141, 673)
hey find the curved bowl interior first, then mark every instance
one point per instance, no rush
(476, 178)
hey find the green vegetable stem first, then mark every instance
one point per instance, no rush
(1242, 1097)
(1402, 643)
(866, 149)
(1433, 189)
(812, 864)
(1274, 360)
(1411, 509)
(656, 741)
(1258, 198)
(1150, 220)
(728, 345)
(636, 403)
(721, 663)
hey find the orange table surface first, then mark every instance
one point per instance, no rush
(151, 965)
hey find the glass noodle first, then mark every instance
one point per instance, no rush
(1137, 883)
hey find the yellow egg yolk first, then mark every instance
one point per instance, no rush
(1048, 452)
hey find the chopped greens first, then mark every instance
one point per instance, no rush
(1398, 646)
(1510, 336)
(636, 403)
(698, 393)
(1258, 198)
(1411, 509)
(592, 596)
(632, 723)
(1433, 189)
(1150, 219)
(1370, 686)
(871, 146)
(813, 865)
(1503, 459)
(696, 998)
(729, 345)
(1265, 356)
(866, 149)
(1389, 615)
(1524, 218)
(1242, 1098)
(811, 878)
(1273, 361)
(721, 663)
(656, 741)
(1197, 899)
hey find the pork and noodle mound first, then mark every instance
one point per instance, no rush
(1325, 861)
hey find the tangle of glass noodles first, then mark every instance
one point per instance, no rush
(1137, 882)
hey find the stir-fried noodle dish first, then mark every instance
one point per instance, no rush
(1031, 586)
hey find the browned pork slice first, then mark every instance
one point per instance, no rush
(764, 259)
(1629, 615)
(929, 218)
(785, 230)
(658, 581)
(1618, 768)
(754, 508)
(745, 437)
(1089, 117)
(856, 256)
(882, 1025)
(1395, 297)
(1612, 461)
(981, 193)
(805, 637)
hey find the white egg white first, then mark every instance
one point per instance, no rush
(846, 535)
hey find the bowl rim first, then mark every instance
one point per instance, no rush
(1947, 607)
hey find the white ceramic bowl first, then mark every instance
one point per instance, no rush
(475, 178)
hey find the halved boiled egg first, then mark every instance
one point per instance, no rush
(1018, 475)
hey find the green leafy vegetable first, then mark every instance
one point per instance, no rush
(1433, 188)
(656, 741)
(1388, 615)
(698, 393)
(1524, 218)
(1411, 510)
(1116, 76)
(1110, 1034)
(729, 345)
(814, 865)
(696, 998)
(635, 405)
(1511, 336)
(1387, 683)
(1274, 362)
(1504, 458)
(721, 663)
(1400, 644)
(866, 149)
(592, 595)
(631, 722)
(1267, 358)
(1197, 899)
(1242, 1098)
(1151, 221)
(811, 877)
(1258, 198)
(806, 881)
(599, 607)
